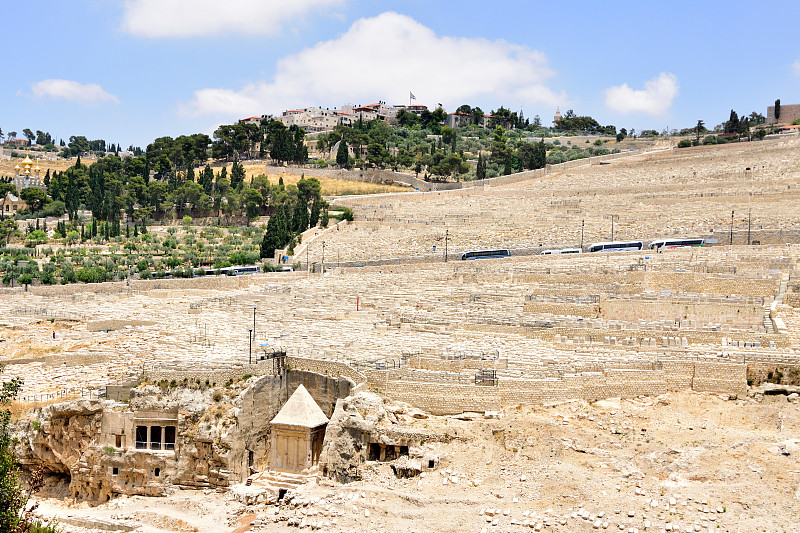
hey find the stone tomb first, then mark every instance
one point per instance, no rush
(297, 433)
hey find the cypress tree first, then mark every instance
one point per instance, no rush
(341, 154)
(480, 170)
(315, 210)
(777, 109)
(237, 175)
(300, 216)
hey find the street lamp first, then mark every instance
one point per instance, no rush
(731, 228)
(583, 222)
(323, 257)
(250, 338)
(446, 236)
(254, 322)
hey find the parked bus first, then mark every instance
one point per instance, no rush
(563, 251)
(233, 270)
(661, 244)
(485, 254)
(616, 246)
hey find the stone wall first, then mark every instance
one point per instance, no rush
(452, 398)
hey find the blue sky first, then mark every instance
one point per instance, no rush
(131, 71)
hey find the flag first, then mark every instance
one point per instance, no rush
(411, 96)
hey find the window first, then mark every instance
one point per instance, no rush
(115, 471)
(157, 472)
(155, 437)
(169, 438)
(141, 437)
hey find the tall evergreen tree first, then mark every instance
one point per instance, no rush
(207, 179)
(237, 175)
(315, 210)
(480, 170)
(777, 109)
(342, 155)
(300, 216)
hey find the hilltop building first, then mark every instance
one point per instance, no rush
(27, 175)
(557, 117)
(19, 143)
(315, 119)
(256, 120)
(789, 113)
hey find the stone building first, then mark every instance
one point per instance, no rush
(557, 117)
(10, 204)
(297, 433)
(315, 119)
(17, 142)
(789, 113)
(27, 175)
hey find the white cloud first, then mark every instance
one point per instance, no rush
(72, 91)
(385, 57)
(655, 99)
(189, 18)
(796, 67)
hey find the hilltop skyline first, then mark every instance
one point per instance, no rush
(131, 71)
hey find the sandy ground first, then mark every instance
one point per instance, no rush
(678, 462)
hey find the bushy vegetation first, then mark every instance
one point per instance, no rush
(16, 515)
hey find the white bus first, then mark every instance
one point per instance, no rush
(616, 246)
(563, 251)
(667, 244)
(485, 254)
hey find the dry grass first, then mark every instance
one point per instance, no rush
(7, 166)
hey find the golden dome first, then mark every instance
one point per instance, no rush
(27, 160)
(17, 168)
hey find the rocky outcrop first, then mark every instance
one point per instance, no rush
(368, 427)
(221, 436)
(59, 435)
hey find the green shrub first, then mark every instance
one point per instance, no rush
(684, 143)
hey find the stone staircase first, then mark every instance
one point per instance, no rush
(270, 486)
(282, 480)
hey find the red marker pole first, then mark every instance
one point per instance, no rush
(357, 301)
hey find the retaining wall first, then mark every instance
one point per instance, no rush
(452, 398)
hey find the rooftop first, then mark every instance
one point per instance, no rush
(300, 410)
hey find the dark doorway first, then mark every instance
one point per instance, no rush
(374, 452)
(169, 438)
(141, 437)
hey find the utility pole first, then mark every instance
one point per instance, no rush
(250, 336)
(446, 235)
(254, 322)
(731, 228)
(612, 217)
(308, 266)
(749, 211)
(323, 257)
(583, 222)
